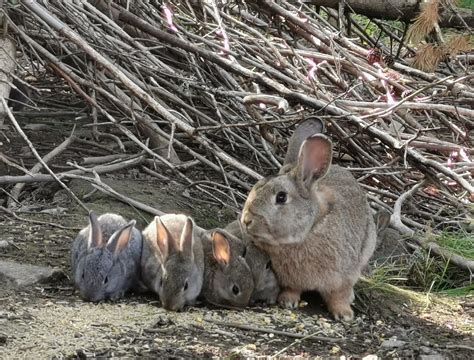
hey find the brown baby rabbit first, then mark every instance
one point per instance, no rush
(314, 221)
(266, 284)
(173, 260)
(227, 277)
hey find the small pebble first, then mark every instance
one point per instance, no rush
(431, 357)
(392, 343)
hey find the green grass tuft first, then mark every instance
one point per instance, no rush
(426, 273)
(458, 243)
(462, 291)
(467, 4)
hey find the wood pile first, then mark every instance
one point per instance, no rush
(213, 92)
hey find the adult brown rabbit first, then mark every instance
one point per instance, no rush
(266, 285)
(314, 221)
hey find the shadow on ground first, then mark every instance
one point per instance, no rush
(50, 321)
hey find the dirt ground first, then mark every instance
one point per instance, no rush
(51, 321)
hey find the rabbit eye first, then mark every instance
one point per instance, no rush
(185, 287)
(161, 282)
(269, 265)
(83, 274)
(245, 251)
(235, 290)
(106, 280)
(281, 197)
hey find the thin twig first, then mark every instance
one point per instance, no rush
(38, 157)
(15, 193)
(273, 331)
(38, 222)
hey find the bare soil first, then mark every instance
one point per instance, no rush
(51, 321)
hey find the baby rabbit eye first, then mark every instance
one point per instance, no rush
(281, 197)
(235, 290)
(106, 280)
(245, 252)
(161, 282)
(185, 287)
(269, 265)
(83, 274)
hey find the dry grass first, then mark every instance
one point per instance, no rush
(458, 44)
(428, 57)
(424, 22)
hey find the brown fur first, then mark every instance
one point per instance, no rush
(266, 284)
(220, 277)
(319, 240)
(305, 129)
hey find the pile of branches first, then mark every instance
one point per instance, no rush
(219, 89)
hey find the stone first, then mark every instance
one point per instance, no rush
(432, 357)
(21, 275)
(428, 350)
(393, 343)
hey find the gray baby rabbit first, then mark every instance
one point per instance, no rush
(227, 276)
(172, 260)
(105, 257)
(314, 221)
(266, 284)
(390, 242)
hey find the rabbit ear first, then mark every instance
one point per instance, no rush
(220, 248)
(163, 237)
(186, 240)
(314, 160)
(120, 238)
(95, 232)
(303, 130)
(315, 124)
(382, 220)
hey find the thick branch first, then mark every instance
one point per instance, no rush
(404, 10)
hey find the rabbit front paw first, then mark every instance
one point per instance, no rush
(339, 301)
(343, 313)
(289, 298)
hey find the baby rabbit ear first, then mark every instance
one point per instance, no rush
(95, 233)
(120, 238)
(163, 237)
(220, 249)
(186, 240)
(314, 160)
(382, 220)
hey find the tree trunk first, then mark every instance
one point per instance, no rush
(404, 10)
(7, 64)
